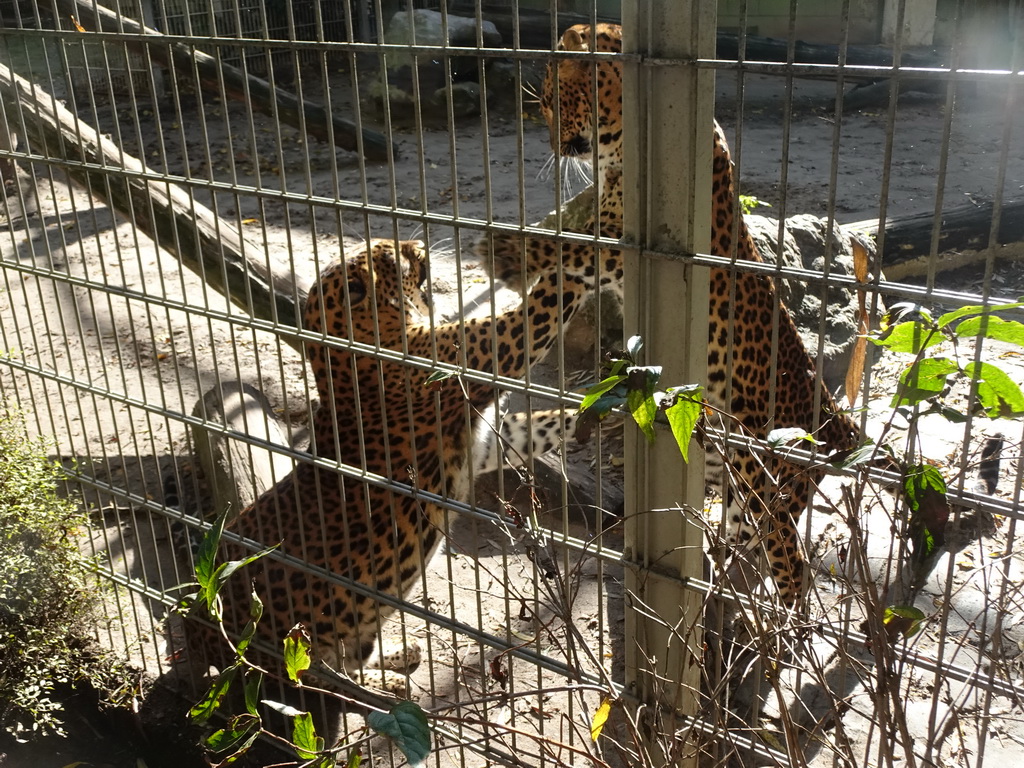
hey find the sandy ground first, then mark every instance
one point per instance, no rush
(71, 343)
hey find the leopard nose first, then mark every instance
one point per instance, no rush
(577, 145)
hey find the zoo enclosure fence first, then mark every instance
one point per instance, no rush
(111, 341)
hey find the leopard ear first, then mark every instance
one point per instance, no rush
(414, 254)
(412, 249)
(572, 40)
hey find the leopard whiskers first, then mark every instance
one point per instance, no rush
(576, 173)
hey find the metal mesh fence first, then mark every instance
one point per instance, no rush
(167, 213)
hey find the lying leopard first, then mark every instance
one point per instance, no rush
(377, 416)
(769, 495)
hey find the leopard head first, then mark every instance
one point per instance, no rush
(573, 88)
(381, 288)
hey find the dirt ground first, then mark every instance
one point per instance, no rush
(75, 342)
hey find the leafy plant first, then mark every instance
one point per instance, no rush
(927, 377)
(405, 723)
(635, 386)
(44, 598)
(749, 204)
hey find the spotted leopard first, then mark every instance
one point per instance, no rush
(380, 417)
(765, 496)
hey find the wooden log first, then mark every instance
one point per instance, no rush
(217, 78)
(237, 471)
(963, 237)
(220, 254)
(775, 50)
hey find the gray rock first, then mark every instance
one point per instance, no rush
(804, 244)
(429, 30)
(465, 99)
(430, 73)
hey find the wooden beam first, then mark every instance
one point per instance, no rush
(220, 254)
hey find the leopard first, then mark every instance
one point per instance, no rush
(407, 442)
(764, 496)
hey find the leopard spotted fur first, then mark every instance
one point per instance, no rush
(766, 495)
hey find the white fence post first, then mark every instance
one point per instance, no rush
(667, 110)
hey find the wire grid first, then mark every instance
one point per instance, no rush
(112, 342)
(97, 71)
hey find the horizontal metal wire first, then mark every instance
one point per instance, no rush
(750, 66)
(397, 215)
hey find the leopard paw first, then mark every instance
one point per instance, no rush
(501, 257)
(394, 654)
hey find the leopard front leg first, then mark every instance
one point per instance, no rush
(518, 260)
(517, 436)
(762, 506)
(513, 256)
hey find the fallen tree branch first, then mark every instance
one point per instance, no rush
(964, 233)
(282, 105)
(219, 253)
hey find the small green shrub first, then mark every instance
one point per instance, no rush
(44, 599)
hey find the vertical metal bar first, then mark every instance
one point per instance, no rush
(667, 122)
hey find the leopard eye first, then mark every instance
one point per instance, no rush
(356, 292)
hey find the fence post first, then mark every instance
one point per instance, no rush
(667, 112)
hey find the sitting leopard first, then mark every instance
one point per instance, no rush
(771, 495)
(377, 417)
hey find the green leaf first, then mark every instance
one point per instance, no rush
(304, 737)
(620, 366)
(912, 336)
(406, 726)
(296, 652)
(922, 380)
(205, 707)
(255, 613)
(904, 619)
(925, 493)
(683, 413)
(1009, 331)
(253, 684)
(595, 392)
(921, 478)
(975, 309)
(354, 760)
(640, 396)
(235, 740)
(206, 568)
(951, 415)
(779, 437)
(999, 395)
(227, 570)
(641, 404)
(437, 379)
(851, 458)
(595, 413)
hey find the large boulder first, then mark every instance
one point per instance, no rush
(804, 247)
(427, 28)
